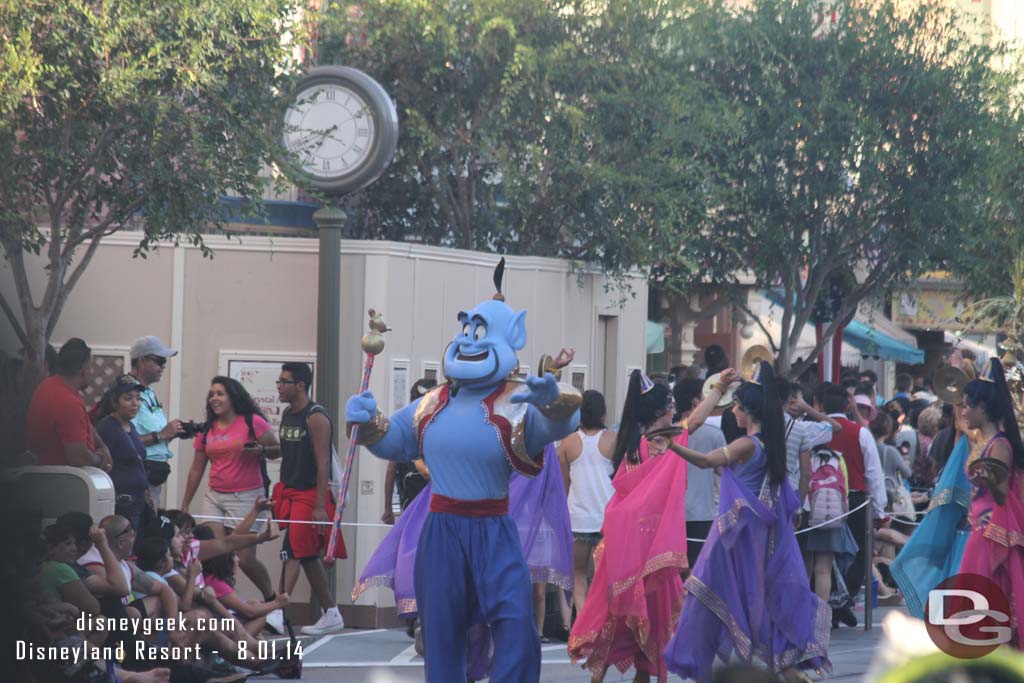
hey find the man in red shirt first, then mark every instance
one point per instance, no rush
(58, 430)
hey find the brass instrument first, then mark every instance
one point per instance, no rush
(752, 359)
(949, 382)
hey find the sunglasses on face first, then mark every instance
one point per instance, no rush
(159, 360)
(286, 381)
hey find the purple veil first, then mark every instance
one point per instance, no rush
(748, 594)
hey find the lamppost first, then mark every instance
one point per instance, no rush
(340, 130)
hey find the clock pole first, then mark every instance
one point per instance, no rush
(319, 127)
(330, 221)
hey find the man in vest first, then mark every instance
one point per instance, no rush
(865, 479)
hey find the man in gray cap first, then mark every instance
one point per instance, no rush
(149, 356)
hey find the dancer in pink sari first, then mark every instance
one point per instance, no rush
(637, 594)
(995, 547)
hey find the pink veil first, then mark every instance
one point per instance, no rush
(637, 594)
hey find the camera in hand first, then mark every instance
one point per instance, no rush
(190, 428)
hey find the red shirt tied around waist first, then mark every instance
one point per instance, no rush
(306, 540)
(56, 416)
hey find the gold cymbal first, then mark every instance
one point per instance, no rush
(710, 382)
(752, 358)
(547, 364)
(949, 383)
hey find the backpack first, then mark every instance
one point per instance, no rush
(337, 473)
(827, 492)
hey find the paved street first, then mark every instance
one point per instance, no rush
(387, 656)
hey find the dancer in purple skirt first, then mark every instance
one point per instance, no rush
(748, 594)
(539, 510)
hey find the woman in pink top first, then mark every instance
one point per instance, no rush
(235, 444)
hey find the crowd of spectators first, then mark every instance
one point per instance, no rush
(147, 608)
(143, 562)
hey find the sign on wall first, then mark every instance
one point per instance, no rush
(258, 373)
(399, 384)
(932, 309)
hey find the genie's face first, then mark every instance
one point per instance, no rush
(484, 350)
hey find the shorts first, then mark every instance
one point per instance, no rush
(233, 504)
(303, 541)
(591, 537)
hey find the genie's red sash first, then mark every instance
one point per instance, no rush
(487, 507)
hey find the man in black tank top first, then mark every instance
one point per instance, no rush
(302, 496)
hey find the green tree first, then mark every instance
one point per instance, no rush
(562, 128)
(129, 115)
(849, 168)
(988, 260)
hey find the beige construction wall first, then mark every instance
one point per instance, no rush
(257, 299)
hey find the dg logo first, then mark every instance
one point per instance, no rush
(968, 616)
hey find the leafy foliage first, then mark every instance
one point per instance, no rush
(849, 171)
(560, 128)
(130, 114)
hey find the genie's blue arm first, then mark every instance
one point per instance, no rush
(542, 430)
(400, 441)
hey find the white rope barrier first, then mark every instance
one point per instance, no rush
(832, 521)
(217, 518)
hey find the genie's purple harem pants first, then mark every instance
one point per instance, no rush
(470, 570)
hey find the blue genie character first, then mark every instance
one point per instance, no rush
(473, 432)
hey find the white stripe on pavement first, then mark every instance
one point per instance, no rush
(404, 657)
(314, 646)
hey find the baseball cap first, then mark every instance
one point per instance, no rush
(124, 384)
(151, 346)
(866, 401)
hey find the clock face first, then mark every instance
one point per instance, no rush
(330, 129)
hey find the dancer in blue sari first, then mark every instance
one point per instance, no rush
(934, 551)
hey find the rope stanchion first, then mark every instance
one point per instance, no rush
(869, 565)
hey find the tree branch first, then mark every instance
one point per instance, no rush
(102, 229)
(22, 286)
(88, 163)
(757, 319)
(69, 284)
(15, 325)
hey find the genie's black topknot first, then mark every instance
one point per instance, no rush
(499, 275)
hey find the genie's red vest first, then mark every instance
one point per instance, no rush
(508, 419)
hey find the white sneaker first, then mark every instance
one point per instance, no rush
(330, 622)
(275, 622)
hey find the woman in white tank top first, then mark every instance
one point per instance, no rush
(586, 461)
